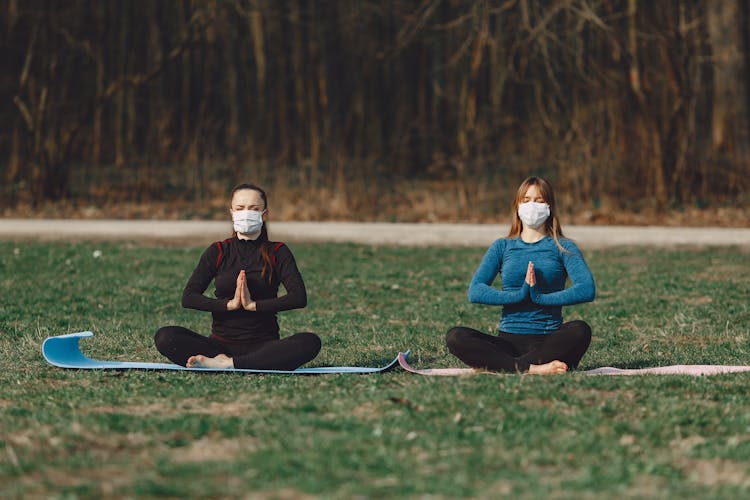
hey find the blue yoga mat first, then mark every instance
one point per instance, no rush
(63, 351)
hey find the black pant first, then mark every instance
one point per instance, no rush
(178, 344)
(508, 352)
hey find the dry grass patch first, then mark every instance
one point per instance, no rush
(120, 459)
(715, 472)
(51, 442)
(697, 301)
(192, 406)
(550, 405)
(213, 449)
(108, 477)
(718, 272)
(367, 411)
(645, 486)
(588, 397)
(38, 437)
(280, 494)
(684, 445)
(688, 335)
(500, 489)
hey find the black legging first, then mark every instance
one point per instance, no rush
(178, 344)
(508, 352)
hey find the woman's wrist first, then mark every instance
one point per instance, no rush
(535, 294)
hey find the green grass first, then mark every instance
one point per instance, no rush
(79, 434)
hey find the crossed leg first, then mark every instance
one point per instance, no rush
(188, 348)
(536, 354)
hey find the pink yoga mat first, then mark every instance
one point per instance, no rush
(694, 370)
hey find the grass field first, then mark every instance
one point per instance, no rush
(70, 434)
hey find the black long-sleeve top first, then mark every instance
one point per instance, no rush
(222, 263)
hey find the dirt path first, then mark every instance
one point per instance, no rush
(201, 233)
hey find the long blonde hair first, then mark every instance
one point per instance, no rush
(552, 225)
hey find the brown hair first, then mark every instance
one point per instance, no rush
(552, 224)
(265, 245)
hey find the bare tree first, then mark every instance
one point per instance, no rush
(638, 103)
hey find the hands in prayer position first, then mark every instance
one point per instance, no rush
(242, 298)
(530, 277)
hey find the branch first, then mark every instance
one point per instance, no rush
(24, 112)
(140, 79)
(412, 27)
(534, 32)
(29, 56)
(84, 45)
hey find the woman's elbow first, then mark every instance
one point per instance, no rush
(473, 295)
(300, 300)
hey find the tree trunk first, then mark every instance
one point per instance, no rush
(121, 56)
(648, 128)
(727, 28)
(9, 176)
(231, 97)
(97, 133)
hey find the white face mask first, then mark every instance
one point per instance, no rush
(247, 221)
(533, 214)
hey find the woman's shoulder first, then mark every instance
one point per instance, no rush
(569, 245)
(219, 246)
(502, 245)
(277, 245)
(279, 249)
(503, 242)
(216, 251)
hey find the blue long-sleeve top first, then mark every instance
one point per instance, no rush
(537, 309)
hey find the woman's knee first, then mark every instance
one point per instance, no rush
(162, 335)
(455, 337)
(311, 342)
(167, 337)
(580, 329)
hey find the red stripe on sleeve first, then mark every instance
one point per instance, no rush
(275, 249)
(221, 253)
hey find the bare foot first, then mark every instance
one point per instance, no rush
(201, 361)
(551, 368)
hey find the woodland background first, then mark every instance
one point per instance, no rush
(374, 109)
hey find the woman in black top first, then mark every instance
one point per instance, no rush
(247, 270)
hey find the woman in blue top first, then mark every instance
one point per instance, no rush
(533, 262)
